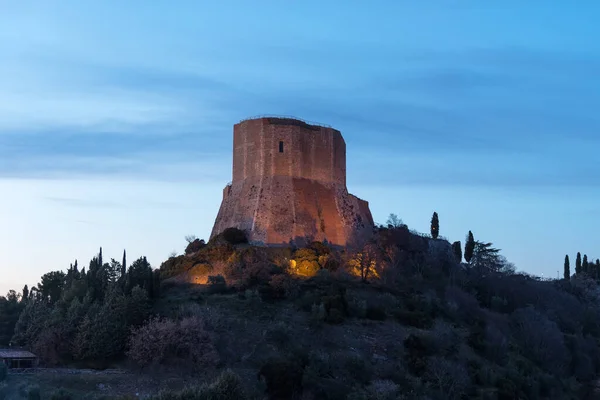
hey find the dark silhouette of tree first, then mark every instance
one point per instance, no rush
(578, 264)
(394, 222)
(585, 267)
(457, 250)
(597, 268)
(25, 295)
(435, 225)
(10, 309)
(469, 247)
(124, 265)
(51, 286)
(567, 268)
(487, 257)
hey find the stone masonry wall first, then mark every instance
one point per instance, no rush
(291, 196)
(310, 152)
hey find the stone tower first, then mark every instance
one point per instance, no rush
(289, 185)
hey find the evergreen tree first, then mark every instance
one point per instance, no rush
(25, 295)
(597, 268)
(457, 250)
(585, 265)
(124, 265)
(578, 264)
(100, 263)
(567, 272)
(435, 226)
(469, 247)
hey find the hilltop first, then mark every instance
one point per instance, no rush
(402, 316)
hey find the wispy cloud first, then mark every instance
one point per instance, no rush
(499, 114)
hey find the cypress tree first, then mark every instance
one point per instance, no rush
(124, 264)
(469, 247)
(597, 268)
(435, 225)
(457, 250)
(567, 268)
(585, 266)
(25, 295)
(100, 263)
(578, 263)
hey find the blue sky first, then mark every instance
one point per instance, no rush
(116, 118)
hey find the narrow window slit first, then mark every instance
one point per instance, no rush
(281, 147)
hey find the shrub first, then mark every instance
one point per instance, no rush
(217, 284)
(227, 386)
(33, 393)
(164, 341)
(447, 376)
(284, 286)
(376, 313)
(417, 349)
(540, 339)
(3, 371)
(194, 246)
(61, 394)
(283, 378)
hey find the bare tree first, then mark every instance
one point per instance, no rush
(394, 222)
(190, 238)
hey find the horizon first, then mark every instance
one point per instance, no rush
(116, 120)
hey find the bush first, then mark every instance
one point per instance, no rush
(227, 386)
(283, 378)
(194, 246)
(164, 341)
(217, 284)
(540, 339)
(33, 393)
(61, 394)
(3, 371)
(447, 376)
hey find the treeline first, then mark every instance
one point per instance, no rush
(477, 254)
(582, 266)
(80, 315)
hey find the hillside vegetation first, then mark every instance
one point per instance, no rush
(401, 316)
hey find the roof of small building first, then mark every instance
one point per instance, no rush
(15, 353)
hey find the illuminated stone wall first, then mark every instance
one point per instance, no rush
(289, 184)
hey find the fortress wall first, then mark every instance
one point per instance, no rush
(296, 195)
(310, 152)
(275, 210)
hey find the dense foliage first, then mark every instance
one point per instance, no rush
(81, 315)
(398, 316)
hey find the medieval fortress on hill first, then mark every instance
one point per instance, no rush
(289, 185)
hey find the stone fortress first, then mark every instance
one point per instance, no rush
(289, 185)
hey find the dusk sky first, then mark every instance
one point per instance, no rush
(116, 119)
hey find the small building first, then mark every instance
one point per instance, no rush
(16, 358)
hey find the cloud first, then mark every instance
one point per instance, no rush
(497, 116)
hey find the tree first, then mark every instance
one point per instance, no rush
(597, 268)
(567, 271)
(585, 265)
(51, 286)
(394, 222)
(457, 250)
(25, 295)
(487, 257)
(578, 264)
(435, 226)
(190, 238)
(469, 247)
(124, 266)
